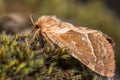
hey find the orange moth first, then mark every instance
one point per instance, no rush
(91, 47)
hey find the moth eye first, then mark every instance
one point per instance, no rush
(37, 26)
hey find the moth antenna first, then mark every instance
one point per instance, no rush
(31, 18)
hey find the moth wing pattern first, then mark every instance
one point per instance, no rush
(90, 47)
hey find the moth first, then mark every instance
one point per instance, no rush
(91, 47)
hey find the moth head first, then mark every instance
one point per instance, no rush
(46, 20)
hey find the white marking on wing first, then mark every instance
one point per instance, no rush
(61, 29)
(90, 45)
(101, 62)
(91, 66)
(98, 43)
(84, 39)
(73, 43)
(82, 30)
(104, 49)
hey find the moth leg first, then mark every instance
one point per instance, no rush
(35, 34)
(48, 40)
(24, 34)
(31, 32)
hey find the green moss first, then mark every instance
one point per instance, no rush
(21, 60)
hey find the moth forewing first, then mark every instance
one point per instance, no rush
(86, 45)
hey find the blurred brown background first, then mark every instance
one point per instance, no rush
(102, 15)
